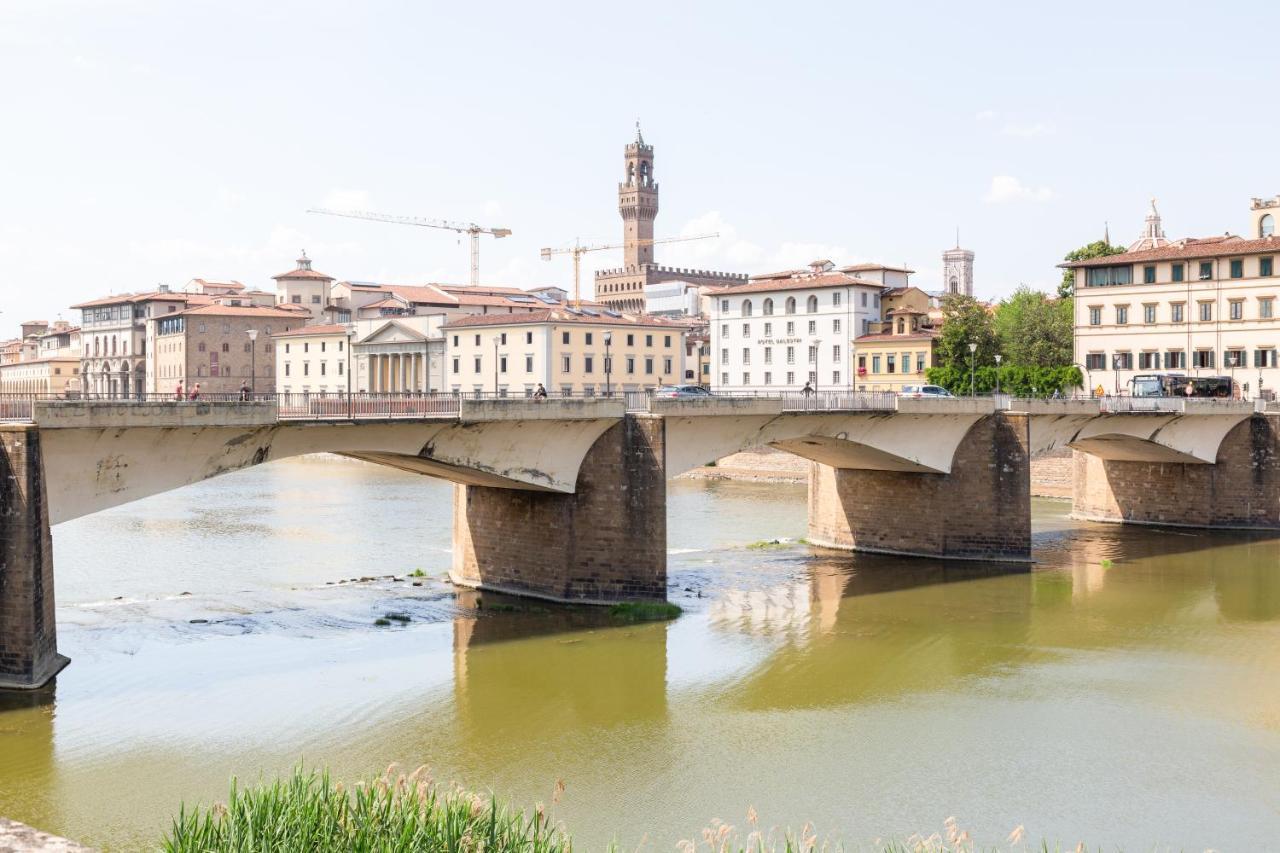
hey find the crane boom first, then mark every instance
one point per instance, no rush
(578, 251)
(469, 228)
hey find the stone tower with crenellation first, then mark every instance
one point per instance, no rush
(638, 202)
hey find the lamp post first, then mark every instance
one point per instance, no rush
(999, 358)
(973, 387)
(608, 365)
(817, 357)
(495, 366)
(253, 362)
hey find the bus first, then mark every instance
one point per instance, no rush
(1175, 385)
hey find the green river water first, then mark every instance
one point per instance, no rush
(1135, 705)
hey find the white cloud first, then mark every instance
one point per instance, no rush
(346, 200)
(1006, 188)
(985, 115)
(1027, 131)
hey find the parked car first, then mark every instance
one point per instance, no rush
(682, 391)
(924, 391)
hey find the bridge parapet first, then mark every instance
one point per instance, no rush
(114, 414)
(535, 409)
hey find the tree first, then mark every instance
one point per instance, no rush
(1096, 249)
(965, 320)
(1035, 330)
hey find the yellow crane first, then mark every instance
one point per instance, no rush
(460, 227)
(578, 250)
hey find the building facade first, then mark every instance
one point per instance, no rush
(780, 331)
(400, 354)
(1198, 306)
(957, 270)
(567, 351)
(46, 361)
(114, 339)
(306, 288)
(217, 346)
(314, 359)
(900, 351)
(623, 288)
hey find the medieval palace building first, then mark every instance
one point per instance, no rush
(623, 288)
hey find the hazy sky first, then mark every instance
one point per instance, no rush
(145, 142)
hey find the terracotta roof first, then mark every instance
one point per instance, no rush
(799, 282)
(1189, 247)
(238, 311)
(327, 329)
(559, 315)
(312, 274)
(482, 289)
(921, 335)
(870, 267)
(196, 298)
(229, 285)
(389, 302)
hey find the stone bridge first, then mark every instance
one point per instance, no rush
(565, 499)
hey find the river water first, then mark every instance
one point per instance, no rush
(1131, 703)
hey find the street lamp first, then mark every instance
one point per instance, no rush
(253, 361)
(973, 388)
(495, 366)
(608, 365)
(999, 358)
(817, 357)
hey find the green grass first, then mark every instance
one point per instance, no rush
(417, 573)
(382, 623)
(308, 813)
(1106, 564)
(645, 611)
(768, 543)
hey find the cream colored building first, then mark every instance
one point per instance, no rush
(565, 350)
(47, 361)
(313, 359)
(899, 351)
(1198, 306)
(211, 345)
(306, 288)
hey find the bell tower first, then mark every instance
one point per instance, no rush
(638, 203)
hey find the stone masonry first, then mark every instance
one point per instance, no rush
(605, 543)
(1242, 490)
(28, 639)
(981, 510)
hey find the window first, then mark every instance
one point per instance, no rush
(1266, 267)
(724, 379)
(528, 364)
(323, 366)
(306, 346)
(306, 369)
(1264, 357)
(835, 353)
(648, 365)
(1202, 358)
(791, 305)
(791, 355)
(1122, 361)
(296, 299)
(1149, 275)
(1176, 311)
(478, 340)
(456, 365)
(1175, 359)
(589, 363)
(666, 340)
(286, 368)
(502, 364)
(768, 378)
(1148, 361)
(502, 339)
(875, 364)
(631, 363)
(1266, 225)
(746, 308)
(768, 355)
(835, 377)
(1148, 314)
(768, 332)
(648, 340)
(1206, 270)
(1095, 361)
(864, 299)
(812, 305)
(890, 362)
(791, 378)
(564, 338)
(767, 308)
(1233, 358)
(813, 327)
(1179, 272)
(746, 355)
(1095, 315)
(746, 330)
(920, 362)
(724, 332)
(528, 337)
(1108, 276)
(724, 306)
(666, 365)
(835, 298)
(1206, 312)
(589, 339)
(813, 355)
(1122, 315)
(315, 299)
(565, 364)
(1265, 307)
(455, 340)
(1236, 307)
(477, 361)
(724, 355)
(1237, 268)
(200, 347)
(746, 379)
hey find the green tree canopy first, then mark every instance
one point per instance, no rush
(965, 321)
(1034, 329)
(1096, 249)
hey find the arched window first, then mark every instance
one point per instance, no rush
(768, 308)
(902, 327)
(791, 305)
(746, 308)
(1266, 225)
(114, 341)
(955, 285)
(812, 305)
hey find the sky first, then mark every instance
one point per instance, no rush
(155, 142)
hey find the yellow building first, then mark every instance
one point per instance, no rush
(564, 350)
(899, 353)
(45, 361)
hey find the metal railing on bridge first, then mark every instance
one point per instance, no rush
(792, 401)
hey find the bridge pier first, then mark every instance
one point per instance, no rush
(28, 637)
(1241, 490)
(981, 510)
(606, 542)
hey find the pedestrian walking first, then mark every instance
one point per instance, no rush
(244, 391)
(807, 390)
(179, 394)
(195, 392)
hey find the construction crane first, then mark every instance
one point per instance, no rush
(461, 227)
(578, 250)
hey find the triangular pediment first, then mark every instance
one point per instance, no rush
(392, 332)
